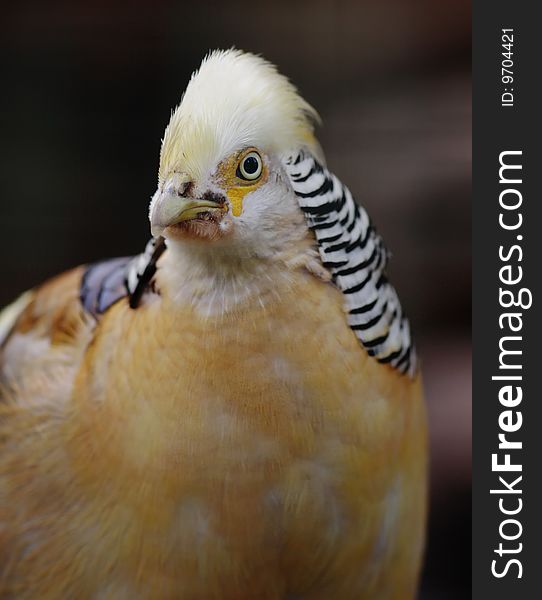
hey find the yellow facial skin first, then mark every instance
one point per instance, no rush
(237, 188)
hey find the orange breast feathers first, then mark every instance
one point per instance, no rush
(164, 453)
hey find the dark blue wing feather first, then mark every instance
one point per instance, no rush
(105, 283)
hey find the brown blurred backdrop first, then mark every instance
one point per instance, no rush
(87, 89)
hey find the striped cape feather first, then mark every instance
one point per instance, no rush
(356, 257)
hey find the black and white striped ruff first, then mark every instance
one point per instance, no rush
(356, 257)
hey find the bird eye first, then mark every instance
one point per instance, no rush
(250, 168)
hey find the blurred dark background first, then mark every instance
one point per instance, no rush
(87, 89)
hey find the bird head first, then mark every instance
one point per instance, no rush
(221, 176)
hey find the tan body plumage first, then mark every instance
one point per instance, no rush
(219, 457)
(255, 452)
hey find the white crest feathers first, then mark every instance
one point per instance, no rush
(235, 100)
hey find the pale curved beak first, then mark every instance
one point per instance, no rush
(170, 206)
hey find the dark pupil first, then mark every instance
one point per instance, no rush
(251, 165)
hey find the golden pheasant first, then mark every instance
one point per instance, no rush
(235, 414)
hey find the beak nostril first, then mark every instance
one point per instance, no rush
(178, 185)
(186, 189)
(180, 190)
